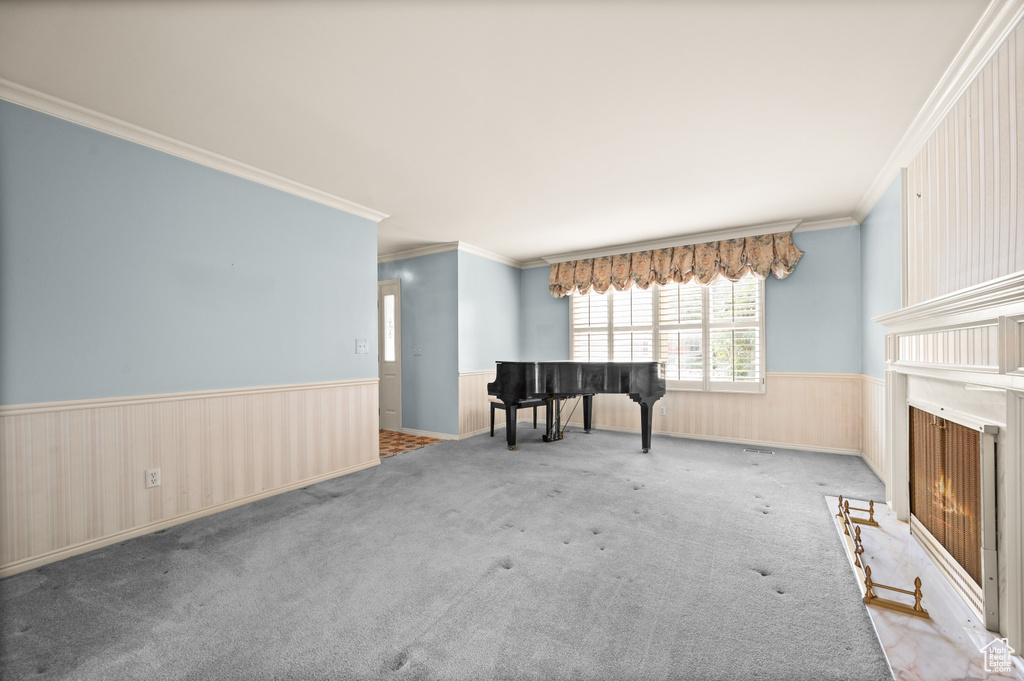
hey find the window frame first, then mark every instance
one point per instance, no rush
(706, 383)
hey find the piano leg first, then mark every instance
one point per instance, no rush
(588, 412)
(510, 426)
(553, 422)
(646, 416)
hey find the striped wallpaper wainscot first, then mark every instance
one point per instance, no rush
(475, 405)
(812, 411)
(873, 423)
(73, 472)
(474, 402)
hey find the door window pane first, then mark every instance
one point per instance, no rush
(389, 327)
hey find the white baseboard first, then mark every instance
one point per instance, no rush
(428, 433)
(499, 424)
(872, 467)
(751, 443)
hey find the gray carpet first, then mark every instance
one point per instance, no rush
(583, 559)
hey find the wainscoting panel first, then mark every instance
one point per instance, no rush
(965, 205)
(73, 472)
(800, 410)
(975, 347)
(474, 402)
(873, 422)
(475, 405)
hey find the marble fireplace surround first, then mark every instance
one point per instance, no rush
(962, 354)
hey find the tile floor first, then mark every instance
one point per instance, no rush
(392, 443)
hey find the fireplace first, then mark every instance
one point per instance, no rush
(954, 382)
(949, 488)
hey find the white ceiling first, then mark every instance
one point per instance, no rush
(524, 128)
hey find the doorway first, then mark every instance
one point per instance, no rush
(389, 353)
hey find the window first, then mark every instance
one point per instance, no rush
(710, 337)
(389, 327)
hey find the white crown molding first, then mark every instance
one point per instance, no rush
(417, 252)
(989, 300)
(707, 236)
(992, 29)
(449, 246)
(825, 224)
(59, 108)
(685, 240)
(469, 248)
(730, 233)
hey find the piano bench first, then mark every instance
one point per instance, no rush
(498, 404)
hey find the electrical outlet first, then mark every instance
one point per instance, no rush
(663, 410)
(153, 477)
(362, 346)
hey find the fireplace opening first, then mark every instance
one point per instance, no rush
(952, 504)
(945, 486)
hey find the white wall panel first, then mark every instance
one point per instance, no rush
(801, 410)
(873, 425)
(965, 204)
(73, 472)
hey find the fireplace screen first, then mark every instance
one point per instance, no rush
(945, 486)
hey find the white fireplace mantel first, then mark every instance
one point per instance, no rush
(966, 349)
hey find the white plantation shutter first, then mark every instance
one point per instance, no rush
(633, 325)
(681, 334)
(734, 326)
(590, 328)
(710, 337)
(615, 326)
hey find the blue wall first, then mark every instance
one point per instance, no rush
(430, 323)
(812, 317)
(465, 313)
(489, 312)
(126, 271)
(545, 330)
(880, 264)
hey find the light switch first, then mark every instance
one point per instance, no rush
(361, 346)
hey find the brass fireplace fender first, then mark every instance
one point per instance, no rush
(868, 585)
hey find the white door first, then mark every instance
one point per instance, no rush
(389, 353)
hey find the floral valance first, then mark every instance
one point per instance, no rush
(732, 258)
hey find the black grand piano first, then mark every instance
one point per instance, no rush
(644, 382)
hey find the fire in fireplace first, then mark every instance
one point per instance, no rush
(945, 486)
(949, 481)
